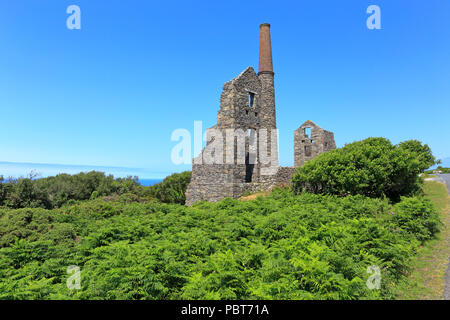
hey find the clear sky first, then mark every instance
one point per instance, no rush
(112, 93)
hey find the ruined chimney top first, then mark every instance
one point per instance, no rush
(265, 49)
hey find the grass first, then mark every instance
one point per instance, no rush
(426, 279)
(255, 195)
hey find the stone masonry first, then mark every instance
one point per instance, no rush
(241, 153)
(310, 140)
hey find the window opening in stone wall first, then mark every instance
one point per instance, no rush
(308, 132)
(308, 151)
(248, 169)
(250, 156)
(251, 99)
(252, 144)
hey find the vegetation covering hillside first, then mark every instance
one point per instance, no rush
(283, 247)
(291, 244)
(54, 192)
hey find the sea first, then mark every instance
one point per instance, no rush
(149, 182)
(15, 169)
(144, 182)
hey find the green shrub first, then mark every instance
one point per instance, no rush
(24, 224)
(60, 232)
(94, 195)
(173, 188)
(54, 192)
(417, 216)
(372, 167)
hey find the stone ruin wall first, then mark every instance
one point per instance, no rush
(244, 105)
(307, 147)
(247, 103)
(213, 182)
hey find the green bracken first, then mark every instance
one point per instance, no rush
(133, 242)
(283, 246)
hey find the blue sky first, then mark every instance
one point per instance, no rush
(111, 94)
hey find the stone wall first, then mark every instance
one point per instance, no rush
(246, 108)
(216, 184)
(284, 176)
(309, 146)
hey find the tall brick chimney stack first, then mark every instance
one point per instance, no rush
(267, 96)
(266, 76)
(265, 49)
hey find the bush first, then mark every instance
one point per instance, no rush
(417, 216)
(54, 192)
(173, 188)
(24, 224)
(372, 167)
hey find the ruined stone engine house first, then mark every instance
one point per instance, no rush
(247, 111)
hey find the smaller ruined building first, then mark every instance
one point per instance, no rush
(310, 140)
(241, 153)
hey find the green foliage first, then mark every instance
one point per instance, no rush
(54, 192)
(94, 195)
(421, 153)
(134, 242)
(417, 216)
(172, 189)
(372, 167)
(283, 246)
(65, 189)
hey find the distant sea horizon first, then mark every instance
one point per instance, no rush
(146, 177)
(143, 182)
(149, 182)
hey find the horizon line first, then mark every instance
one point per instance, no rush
(120, 171)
